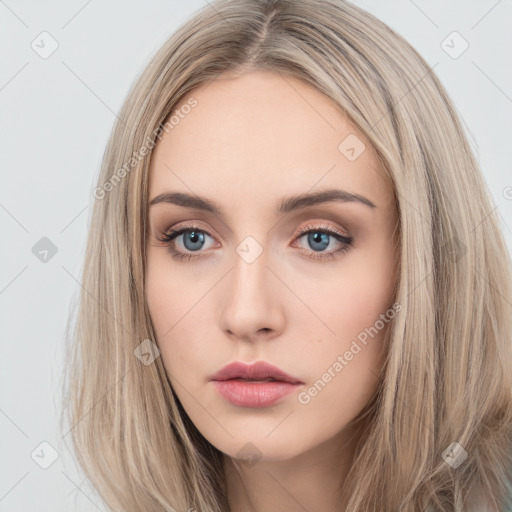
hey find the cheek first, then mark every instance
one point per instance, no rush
(169, 296)
(158, 295)
(355, 297)
(357, 308)
(175, 308)
(344, 369)
(162, 302)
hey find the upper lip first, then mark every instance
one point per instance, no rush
(257, 371)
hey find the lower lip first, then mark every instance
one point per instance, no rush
(254, 394)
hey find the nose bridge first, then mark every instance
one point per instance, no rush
(250, 301)
(250, 271)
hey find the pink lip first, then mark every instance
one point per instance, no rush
(230, 383)
(253, 394)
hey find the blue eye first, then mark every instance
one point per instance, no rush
(193, 240)
(318, 238)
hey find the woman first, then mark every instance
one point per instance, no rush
(296, 293)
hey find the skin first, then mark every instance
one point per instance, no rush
(251, 141)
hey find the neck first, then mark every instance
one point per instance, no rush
(310, 480)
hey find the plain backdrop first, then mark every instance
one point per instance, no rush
(55, 116)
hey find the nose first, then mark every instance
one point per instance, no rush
(250, 301)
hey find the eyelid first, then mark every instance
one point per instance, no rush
(321, 226)
(197, 225)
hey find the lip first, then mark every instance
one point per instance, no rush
(230, 383)
(257, 371)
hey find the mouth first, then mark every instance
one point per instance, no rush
(257, 385)
(259, 371)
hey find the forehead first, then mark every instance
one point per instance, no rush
(263, 133)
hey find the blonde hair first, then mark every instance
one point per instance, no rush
(448, 373)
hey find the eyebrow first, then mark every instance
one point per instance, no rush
(286, 205)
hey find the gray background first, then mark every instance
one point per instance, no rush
(55, 116)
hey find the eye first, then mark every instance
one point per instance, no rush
(318, 238)
(193, 240)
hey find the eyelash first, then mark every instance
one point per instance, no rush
(168, 238)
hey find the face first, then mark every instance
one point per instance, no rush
(305, 285)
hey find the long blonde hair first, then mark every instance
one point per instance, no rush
(446, 389)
